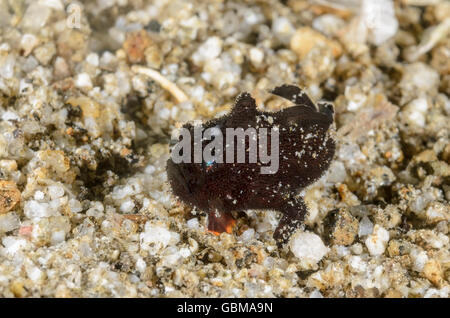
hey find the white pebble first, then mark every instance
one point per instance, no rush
(35, 210)
(256, 56)
(283, 29)
(93, 59)
(75, 206)
(268, 223)
(437, 212)
(127, 206)
(8, 165)
(107, 59)
(316, 294)
(9, 115)
(185, 252)
(83, 80)
(121, 192)
(39, 195)
(328, 24)
(9, 222)
(439, 293)
(55, 191)
(377, 241)
(25, 87)
(342, 251)
(55, 204)
(54, 4)
(141, 265)
(27, 43)
(7, 66)
(150, 169)
(416, 110)
(356, 248)
(308, 247)
(13, 245)
(419, 77)
(356, 98)
(380, 20)
(209, 50)
(247, 235)
(58, 237)
(192, 223)
(357, 265)
(34, 273)
(419, 258)
(337, 172)
(155, 237)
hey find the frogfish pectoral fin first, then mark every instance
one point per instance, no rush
(294, 211)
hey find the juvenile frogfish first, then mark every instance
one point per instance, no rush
(299, 143)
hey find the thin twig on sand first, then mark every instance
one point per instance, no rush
(173, 89)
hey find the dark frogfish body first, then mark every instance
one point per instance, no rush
(305, 150)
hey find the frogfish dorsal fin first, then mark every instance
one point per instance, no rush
(294, 94)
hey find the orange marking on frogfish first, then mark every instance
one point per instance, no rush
(228, 228)
(220, 222)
